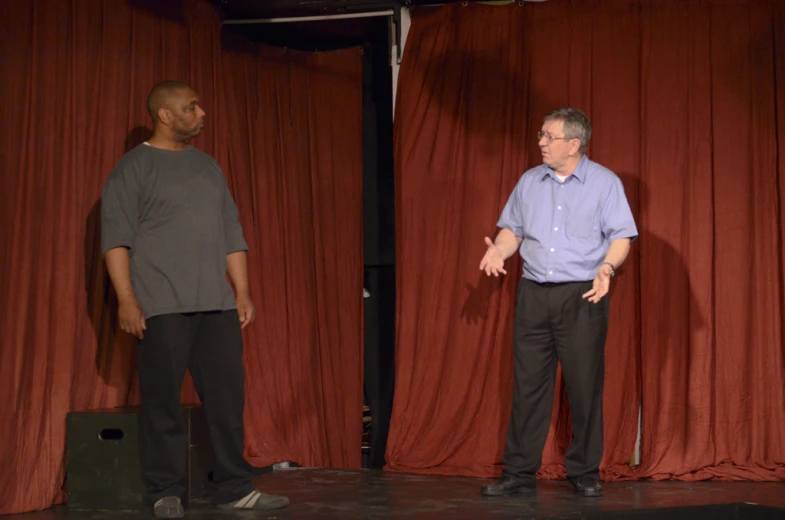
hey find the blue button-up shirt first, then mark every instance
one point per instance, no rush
(567, 227)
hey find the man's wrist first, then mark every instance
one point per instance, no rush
(610, 265)
(504, 252)
(126, 300)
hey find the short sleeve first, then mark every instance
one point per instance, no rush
(617, 219)
(512, 215)
(235, 241)
(120, 208)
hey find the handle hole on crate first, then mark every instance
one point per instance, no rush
(111, 434)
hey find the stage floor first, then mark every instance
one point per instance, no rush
(362, 494)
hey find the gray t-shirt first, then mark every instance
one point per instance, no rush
(174, 212)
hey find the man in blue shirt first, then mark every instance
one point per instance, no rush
(571, 222)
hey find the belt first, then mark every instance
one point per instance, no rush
(557, 284)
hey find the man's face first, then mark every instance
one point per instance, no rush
(556, 150)
(187, 116)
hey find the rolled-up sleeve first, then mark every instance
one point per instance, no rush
(119, 209)
(617, 219)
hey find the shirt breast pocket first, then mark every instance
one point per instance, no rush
(583, 222)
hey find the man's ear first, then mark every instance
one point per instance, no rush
(575, 145)
(164, 116)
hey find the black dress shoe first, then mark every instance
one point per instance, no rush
(587, 486)
(507, 486)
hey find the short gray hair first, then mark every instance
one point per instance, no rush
(576, 125)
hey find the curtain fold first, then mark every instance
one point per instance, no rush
(685, 99)
(286, 128)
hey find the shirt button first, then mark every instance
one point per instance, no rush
(558, 207)
(556, 229)
(550, 272)
(552, 250)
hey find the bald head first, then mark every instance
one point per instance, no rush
(162, 95)
(177, 115)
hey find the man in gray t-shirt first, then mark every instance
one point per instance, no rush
(170, 235)
(173, 212)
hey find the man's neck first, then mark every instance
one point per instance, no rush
(568, 168)
(166, 143)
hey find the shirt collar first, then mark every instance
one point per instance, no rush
(579, 172)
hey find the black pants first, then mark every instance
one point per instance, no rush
(553, 322)
(210, 346)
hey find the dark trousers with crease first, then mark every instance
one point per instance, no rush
(553, 322)
(210, 346)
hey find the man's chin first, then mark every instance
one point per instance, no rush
(194, 133)
(183, 137)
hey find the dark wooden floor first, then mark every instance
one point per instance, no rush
(343, 494)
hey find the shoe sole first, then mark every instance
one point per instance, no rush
(169, 509)
(169, 513)
(267, 506)
(589, 492)
(508, 493)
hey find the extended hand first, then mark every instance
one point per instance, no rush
(601, 285)
(245, 310)
(492, 263)
(131, 318)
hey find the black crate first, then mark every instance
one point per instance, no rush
(102, 459)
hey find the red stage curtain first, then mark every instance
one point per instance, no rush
(286, 128)
(684, 98)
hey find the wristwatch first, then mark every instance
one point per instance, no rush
(613, 269)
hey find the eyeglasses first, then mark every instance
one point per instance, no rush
(548, 137)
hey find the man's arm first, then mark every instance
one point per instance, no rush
(618, 251)
(130, 315)
(119, 224)
(236, 256)
(618, 224)
(507, 243)
(118, 264)
(509, 239)
(237, 267)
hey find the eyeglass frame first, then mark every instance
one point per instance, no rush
(550, 138)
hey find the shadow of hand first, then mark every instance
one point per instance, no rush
(475, 308)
